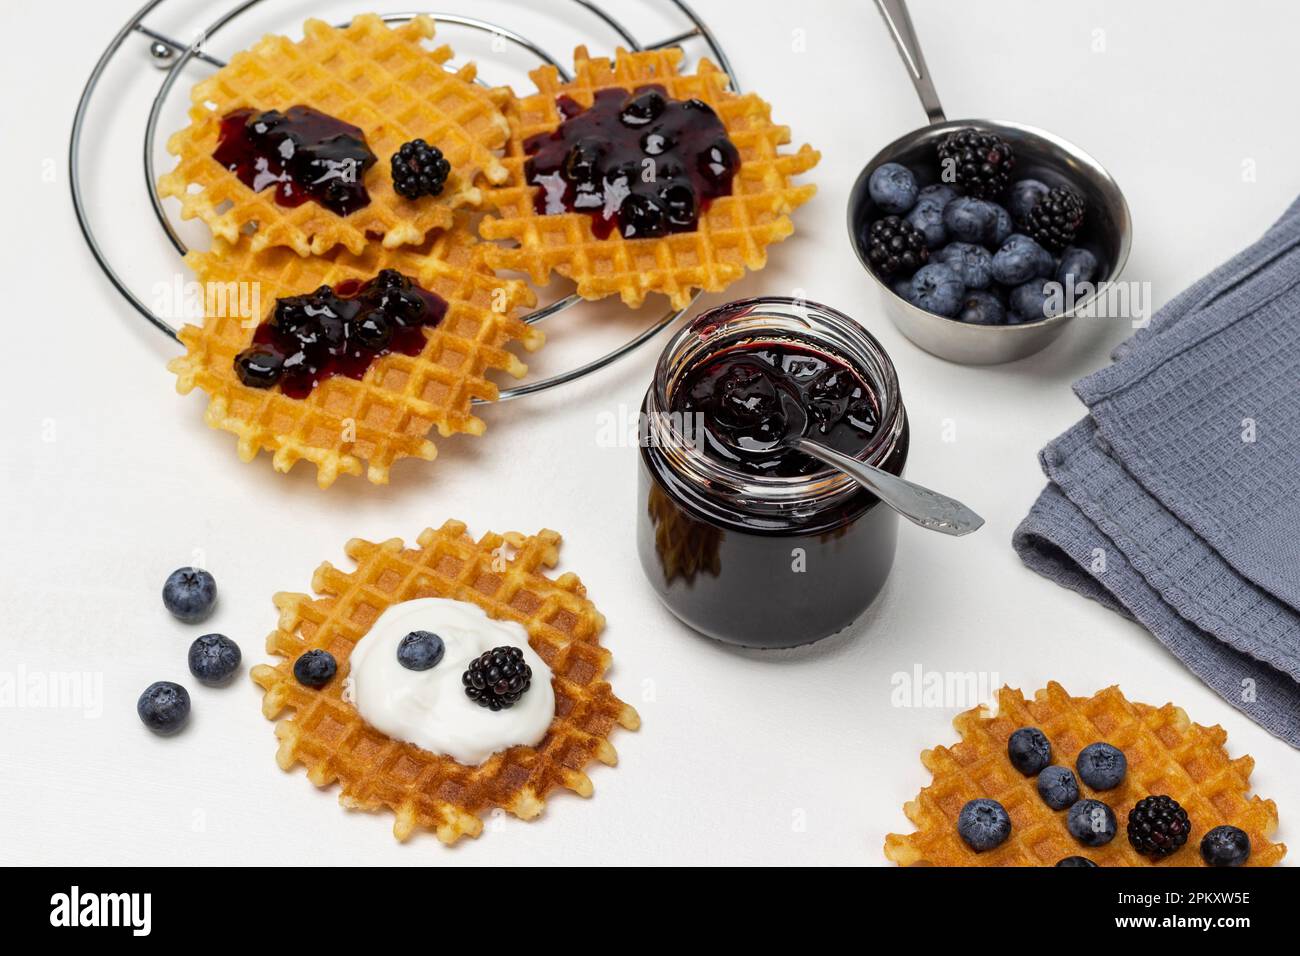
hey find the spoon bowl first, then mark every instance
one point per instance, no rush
(1039, 155)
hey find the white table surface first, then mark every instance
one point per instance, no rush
(111, 480)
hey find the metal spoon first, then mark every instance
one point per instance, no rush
(918, 504)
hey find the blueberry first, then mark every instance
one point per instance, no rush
(980, 307)
(717, 164)
(1225, 846)
(1030, 750)
(420, 650)
(1020, 259)
(213, 659)
(1002, 226)
(643, 107)
(892, 188)
(259, 366)
(1101, 766)
(1076, 262)
(373, 330)
(971, 220)
(1024, 194)
(164, 707)
(983, 824)
(903, 289)
(1037, 299)
(315, 668)
(190, 593)
(1091, 822)
(643, 217)
(927, 216)
(1079, 861)
(678, 201)
(936, 288)
(1057, 787)
(940, 192)
(973, 264)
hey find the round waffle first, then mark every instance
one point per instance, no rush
(425, 790)
(379, 79)
(387, 414)
(1166, 752)
(733, 233)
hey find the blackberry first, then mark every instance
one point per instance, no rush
(1157, 826)
(496, 679)
(894, 245)
(1055, 218)
(981, 163)
(419, 170)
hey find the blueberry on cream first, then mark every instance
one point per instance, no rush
(429, 707)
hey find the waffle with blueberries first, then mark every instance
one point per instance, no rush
(348, 134)
(635, 178)
(428, 791)
(353, 359)
(1086, 781)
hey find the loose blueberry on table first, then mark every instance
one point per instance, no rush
(639, 163)
(190, 594)
(164, 707)
(338, 330)
(304, 153)
(998, 239)
(213, 659)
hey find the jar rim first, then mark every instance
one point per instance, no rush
(765, 319)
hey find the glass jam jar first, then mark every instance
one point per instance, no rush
(758, 559)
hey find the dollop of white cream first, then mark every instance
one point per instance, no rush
(429, 708)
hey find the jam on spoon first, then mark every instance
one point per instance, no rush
(640, 163)
(338, 330)
(753, 399)
(303, 153)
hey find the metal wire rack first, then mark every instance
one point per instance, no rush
(174, 55)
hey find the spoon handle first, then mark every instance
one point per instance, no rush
(917, 504)
(899, 22)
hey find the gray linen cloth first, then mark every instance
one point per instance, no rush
(1176, 502)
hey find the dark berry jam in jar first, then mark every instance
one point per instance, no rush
(745, 540)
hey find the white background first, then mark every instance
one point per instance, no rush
(111, 480)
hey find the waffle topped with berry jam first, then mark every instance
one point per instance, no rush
(1086, 781)
(344, 135)
(350, 361)
(505, 576)
(634, 178)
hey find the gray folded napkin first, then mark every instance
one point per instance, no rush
(1176, 502)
